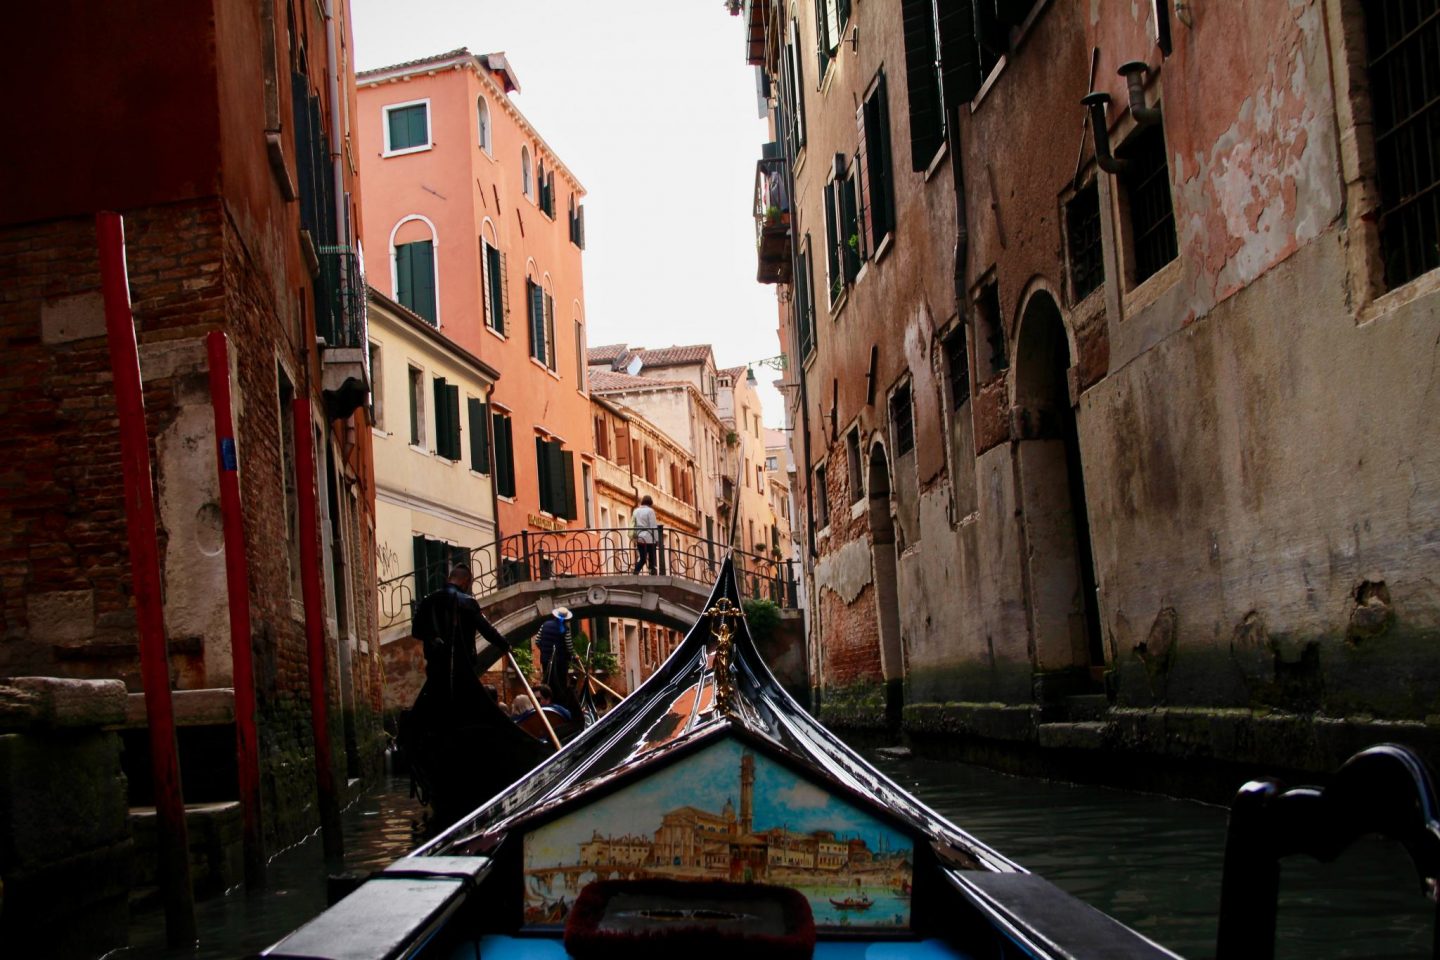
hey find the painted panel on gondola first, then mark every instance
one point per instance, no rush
(727, 813)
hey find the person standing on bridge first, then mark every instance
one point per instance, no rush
(646, 535)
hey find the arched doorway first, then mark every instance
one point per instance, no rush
(1064, 610)
(885, 577)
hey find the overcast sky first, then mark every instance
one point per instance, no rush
(652, 106)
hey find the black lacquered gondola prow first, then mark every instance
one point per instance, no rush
(1385, 790)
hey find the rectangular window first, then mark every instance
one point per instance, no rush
(841, 234)
(447, 419)
(415, 278)
(551, 360)
(1146, 182)
(579, 355)
(494, 300)
(503, 440)
(1082, 232)
(874, 175)
(805, 301)
(285, 403)
(825, 41)
(602, 439)
(902, 421)
(927, 114)
(989, 330)
(432, 562)
(588, 488)
(852, 459)
(479, 435)
(795, 94)
(772, 463)
(407, 127)
(1402, 40)
(577, 223)
(822, 499)
(417, 407)
(555, 467)
(535, 307)
(957, 367)
(377, 390)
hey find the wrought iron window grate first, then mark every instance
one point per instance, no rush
(1082, 226)
(1147, 188)
(1404, 67)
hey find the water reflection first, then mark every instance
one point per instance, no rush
(378, 827)
(1154, 862)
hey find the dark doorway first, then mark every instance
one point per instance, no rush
(886, 579)
(1064, 609)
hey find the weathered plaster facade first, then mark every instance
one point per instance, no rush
(1216, 486)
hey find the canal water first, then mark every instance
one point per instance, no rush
(1152, 861)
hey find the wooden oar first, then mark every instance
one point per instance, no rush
(539, 708)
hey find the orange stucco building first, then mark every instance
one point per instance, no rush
(473, 223)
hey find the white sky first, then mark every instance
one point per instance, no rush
(651, 104)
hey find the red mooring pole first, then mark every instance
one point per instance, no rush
(172, 842)
(237, 586)
(315, 628)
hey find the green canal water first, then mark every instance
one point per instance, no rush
(1152, 861)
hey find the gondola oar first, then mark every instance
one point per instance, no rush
(539, 708)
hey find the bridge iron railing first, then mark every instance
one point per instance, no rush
(591, 552)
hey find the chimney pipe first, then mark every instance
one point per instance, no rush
(1134, 73)
(1107, 161)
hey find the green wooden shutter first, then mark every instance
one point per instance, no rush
(535, 297)
(927, 118)
(504, 289)
(510, 455)
(479, 435)
(542, 472)
(417, 556)
(832, 242)
(859, 175)
(442, 417)
(422, 278)
(959, 52)
(504, 455)
(452, 422)
(399, 129)
(849, 224)
(404, 291)
(822, 43)
(555, 469)
(550, 351)
(496, 291)
(567, 468)
(419, 125)
(437, 556)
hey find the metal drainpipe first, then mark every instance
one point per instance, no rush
(962, 229)
(332, 36)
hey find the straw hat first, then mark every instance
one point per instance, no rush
(562, 612)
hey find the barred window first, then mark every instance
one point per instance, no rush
(902, 421)
(957, 367)
(1082, 229)
(1147, 193)
(1401, 59)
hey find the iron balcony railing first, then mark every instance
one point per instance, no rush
(592, 552)
(340, 299)
(772, 221)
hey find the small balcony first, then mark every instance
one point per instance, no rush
(341, 326)
(772, 221)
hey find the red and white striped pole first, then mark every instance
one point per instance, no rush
(171, 836)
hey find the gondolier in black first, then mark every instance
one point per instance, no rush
(446, 622)
(462, 746)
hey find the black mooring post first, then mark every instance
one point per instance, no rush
(1250, 879)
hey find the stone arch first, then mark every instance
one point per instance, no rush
(885, 574)
(1059, 564)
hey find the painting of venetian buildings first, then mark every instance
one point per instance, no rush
(727, 813)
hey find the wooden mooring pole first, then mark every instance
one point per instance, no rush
(313, 596)
(237, 585)
(172, 841)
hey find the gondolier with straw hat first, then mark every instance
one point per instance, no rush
(557, 648)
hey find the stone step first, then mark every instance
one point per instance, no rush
(216, 832)
(1071, 736)
(1086, 706)
(193, 708)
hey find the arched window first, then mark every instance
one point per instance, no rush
(527, 173)
(482, 112)
(412, 264)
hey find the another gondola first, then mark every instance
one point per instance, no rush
(708, 814)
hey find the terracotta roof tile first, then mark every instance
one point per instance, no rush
(676, 356)
(433, 58)
(608, 353)
(608, 381)
(734, 372)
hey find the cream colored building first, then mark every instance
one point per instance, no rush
(634, 458)
(674, 388)
(738, 404)
(433, 460)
